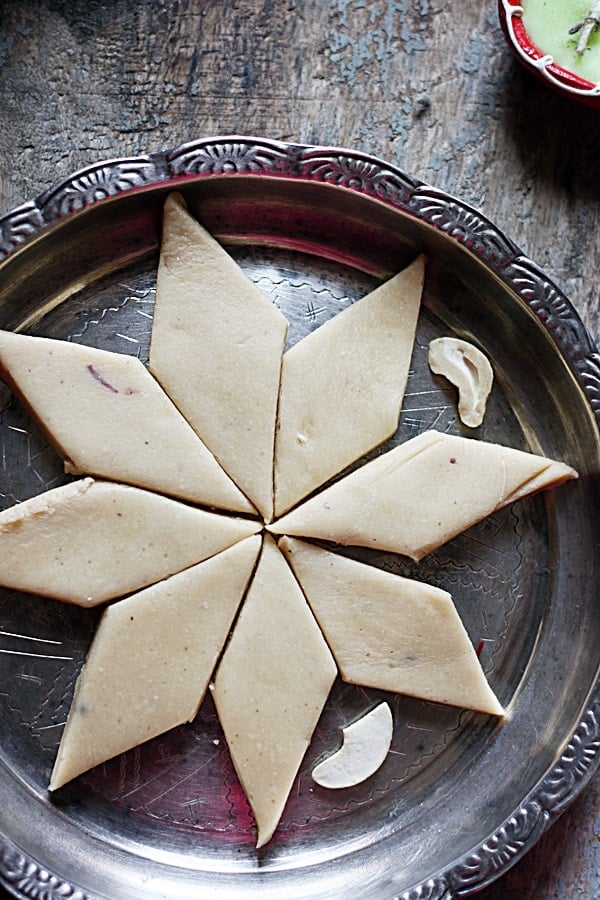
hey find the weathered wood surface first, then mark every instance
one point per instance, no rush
(426, 84)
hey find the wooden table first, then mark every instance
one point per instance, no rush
(428, 85)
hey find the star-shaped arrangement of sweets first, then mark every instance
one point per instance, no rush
(212, 486)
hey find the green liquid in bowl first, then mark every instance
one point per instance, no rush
(548, 23)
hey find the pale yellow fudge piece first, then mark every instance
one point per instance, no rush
(390, 632)
(217, 344)
(342, 386)
(271, 686)
(90, 541)
(109, 417)
(422, 493)
(151, 660)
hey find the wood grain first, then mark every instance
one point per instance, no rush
(426, 84)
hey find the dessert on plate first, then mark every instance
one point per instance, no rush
(215, 464)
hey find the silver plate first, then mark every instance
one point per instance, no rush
(460, 797)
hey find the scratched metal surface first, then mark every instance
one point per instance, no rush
(166, 817)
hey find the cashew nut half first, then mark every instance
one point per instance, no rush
(365, 746)
(469, 370)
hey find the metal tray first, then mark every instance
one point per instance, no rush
(461, 796)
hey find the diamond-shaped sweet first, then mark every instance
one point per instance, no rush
(342, 386)
(89, 541)
(421, 494)
(271, 686)
(151, 659)
(216, 348)
(390, 632)
(135, 435)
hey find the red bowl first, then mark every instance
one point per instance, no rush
(542, 64)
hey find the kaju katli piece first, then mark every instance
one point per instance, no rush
(151, 659)
(271, 686)
(390, 632)
(421, 494)
(90, 541)
(216, 348)
(343, 385)
(132, 433)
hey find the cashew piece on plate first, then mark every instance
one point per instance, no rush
(469, 370)
(366, 744)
